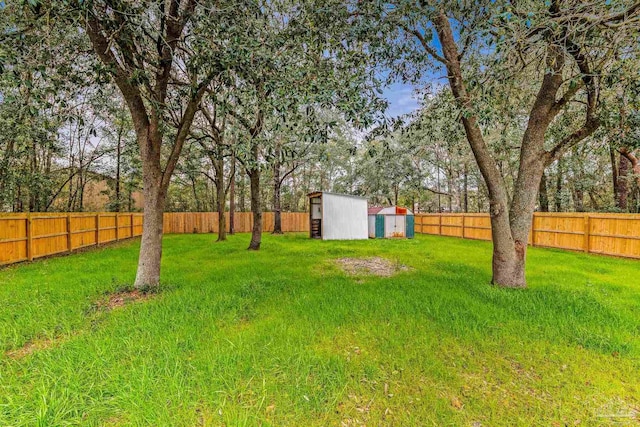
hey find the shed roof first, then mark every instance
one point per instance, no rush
(391, 210)
(320, 193)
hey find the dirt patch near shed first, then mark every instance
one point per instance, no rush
(376, 266)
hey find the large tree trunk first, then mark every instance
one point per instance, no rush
(508, 250)
(511, 222)
(148, 275)
(256, 209)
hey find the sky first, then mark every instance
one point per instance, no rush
(402, 99)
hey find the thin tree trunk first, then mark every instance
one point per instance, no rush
(221, 197)
(118, 167)
(622, 183)
(465, 189)
(232, 195)
(614, 173)
(277, 209)
(256, 209)
(578, 199)
(559, 179)
(277, 185)
(241, 193)
(544, 194)
(195, 193)
(148, 275)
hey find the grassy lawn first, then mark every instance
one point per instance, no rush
(285, 337)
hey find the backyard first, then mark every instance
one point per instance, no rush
(286, 336)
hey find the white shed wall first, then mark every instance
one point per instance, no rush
(344, 217)
(372, 226)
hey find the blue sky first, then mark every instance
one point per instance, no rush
(402, 99)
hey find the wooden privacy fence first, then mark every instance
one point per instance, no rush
(596, 233)
(207, 222)
(24, 237)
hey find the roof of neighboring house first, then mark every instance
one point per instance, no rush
(374, 210)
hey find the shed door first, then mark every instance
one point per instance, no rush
(316, 218)
(394, 226)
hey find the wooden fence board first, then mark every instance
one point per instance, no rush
(598, 233)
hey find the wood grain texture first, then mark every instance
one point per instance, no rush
(613, 234)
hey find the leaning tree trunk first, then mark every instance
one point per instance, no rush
(509, 228)
(148, 275)
(256, 209)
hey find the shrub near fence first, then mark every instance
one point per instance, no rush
(597, 233)
(24, 237)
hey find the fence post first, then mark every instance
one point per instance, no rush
(463, 218)
(97, 229)
(117, 228)
(69, 232)
(29, 230)
(439, 224)
(587, 233)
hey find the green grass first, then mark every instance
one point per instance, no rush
(284, 337)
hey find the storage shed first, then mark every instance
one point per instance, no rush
(391, 222)
(337, 216)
